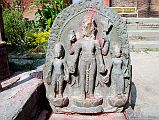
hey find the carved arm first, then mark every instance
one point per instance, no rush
(48, 79)
(100, 58)
(77, 51)
(106, 44)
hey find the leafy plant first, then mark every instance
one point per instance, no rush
(15, 28)
(38, 40)
(26, 36)
(47, 12)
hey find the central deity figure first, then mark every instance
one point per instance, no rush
(87, 52)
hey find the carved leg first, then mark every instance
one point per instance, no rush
(82, 74)
(120, 85)
(92, 78)
(54, 85)
(61, 88)
(115, 84)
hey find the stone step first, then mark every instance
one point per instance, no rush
(143, 34)
(144, 45)
(142, 23)
(141, 20)
(142, 27)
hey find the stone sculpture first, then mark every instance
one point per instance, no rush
(88, 66)
(58, 74)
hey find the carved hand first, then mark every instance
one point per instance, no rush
(106, 79)
(66, 78)
(48, 82)
(101, 68)
(72, 69)
(104, 36)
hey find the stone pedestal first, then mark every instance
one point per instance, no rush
(110, 116)
(4, 67)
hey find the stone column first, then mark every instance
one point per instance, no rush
(4, 67)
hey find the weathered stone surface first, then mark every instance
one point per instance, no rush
(88, 102)
(145, 85)
(60, 102)
(88, 60)
(110, 116)
(87, 110)
(20, 97)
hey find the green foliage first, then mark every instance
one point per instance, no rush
(47, 12)
(15, 28)
(21, 34)
(38, 40)
(26, 36)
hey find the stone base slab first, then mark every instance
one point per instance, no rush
(87, 110)
(110, 116)
(88, 102)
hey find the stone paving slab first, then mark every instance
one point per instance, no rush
(145, 88)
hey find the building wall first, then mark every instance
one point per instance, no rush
(106, 2)
(123, 3)
(143, 8)
(146, 8)
(154, 8)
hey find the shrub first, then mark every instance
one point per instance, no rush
(48, 11)
(38, 40)
(15, 28)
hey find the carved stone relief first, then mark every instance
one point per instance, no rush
(88, 66)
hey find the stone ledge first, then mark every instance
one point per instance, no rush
(110, 116)
(144, 45)
(20, 100)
